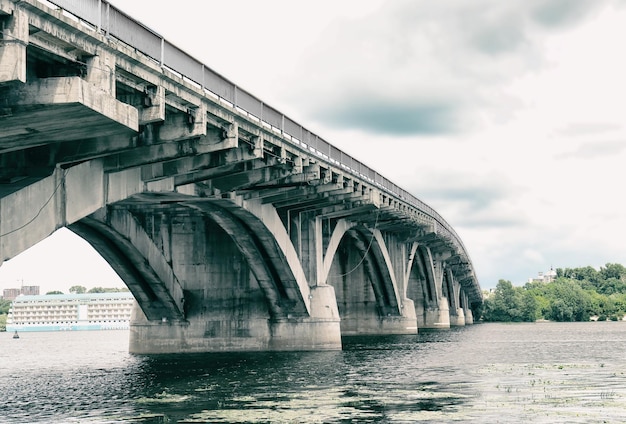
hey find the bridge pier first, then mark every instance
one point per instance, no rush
(457, 319)
(437, 317)
(467, 311)
(370, 323)
(320, 331)
(239, 294)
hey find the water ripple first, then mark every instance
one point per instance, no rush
(540, 373)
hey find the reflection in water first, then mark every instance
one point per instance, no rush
(482, 373)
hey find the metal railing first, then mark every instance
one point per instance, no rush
(113, 22)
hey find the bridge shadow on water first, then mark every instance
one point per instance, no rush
(373, 379)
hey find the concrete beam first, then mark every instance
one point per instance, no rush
(180, 126)
(218, 163)
(154, 109)
(249, 178)
(301, 195)
(62, 109)
(318, 200)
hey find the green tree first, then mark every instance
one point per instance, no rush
(575, 295)
(55, 292)
(506, 304)
(611, 285)
(78, 289)
(5, 305)
(529, 307)
(616, 271)
(97, 290)
(568, 301)
(108, 290)
(560, 311)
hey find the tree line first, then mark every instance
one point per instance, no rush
(575, 294)
(83, 289)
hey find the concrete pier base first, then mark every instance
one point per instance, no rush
(320, 331)
(457, 319)
(385, 325)
(153, 337)
(437, 318)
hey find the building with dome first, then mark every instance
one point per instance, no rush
(542, 277)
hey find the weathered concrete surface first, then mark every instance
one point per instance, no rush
(457, 319)
(31, 214)
(13, 45)
(62, 109)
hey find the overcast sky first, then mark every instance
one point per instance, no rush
(507, 117)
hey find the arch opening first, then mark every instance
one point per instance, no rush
(365, 294)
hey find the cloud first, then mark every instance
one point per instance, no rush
(561, 13)
(428, 68)
(577, 129)
(481, 191)
(473, 201)
(394, 117)
(533, 255)
(595, 149)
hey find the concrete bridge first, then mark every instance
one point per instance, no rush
(234, 227)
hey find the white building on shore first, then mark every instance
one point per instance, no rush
(58, 312)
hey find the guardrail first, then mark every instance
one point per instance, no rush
(113, 22)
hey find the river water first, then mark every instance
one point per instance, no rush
(485, 373)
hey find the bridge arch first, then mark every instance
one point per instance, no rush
(144, 266)
(237, 288)
(455, 298)
(140, 265)
(362, 272)
(430, 289)
(281, 280)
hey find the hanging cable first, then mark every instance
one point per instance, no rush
(369, 246)
(61, 181)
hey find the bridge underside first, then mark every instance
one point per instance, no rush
(234, 230)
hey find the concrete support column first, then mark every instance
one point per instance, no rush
(229, 305)
(406, 323)
(13, 47)
(437, 317)
(457, 314)
(320, 331)
(420, 313)
(306, 236)
(457, 318)
(437, 314)
(469, 315)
